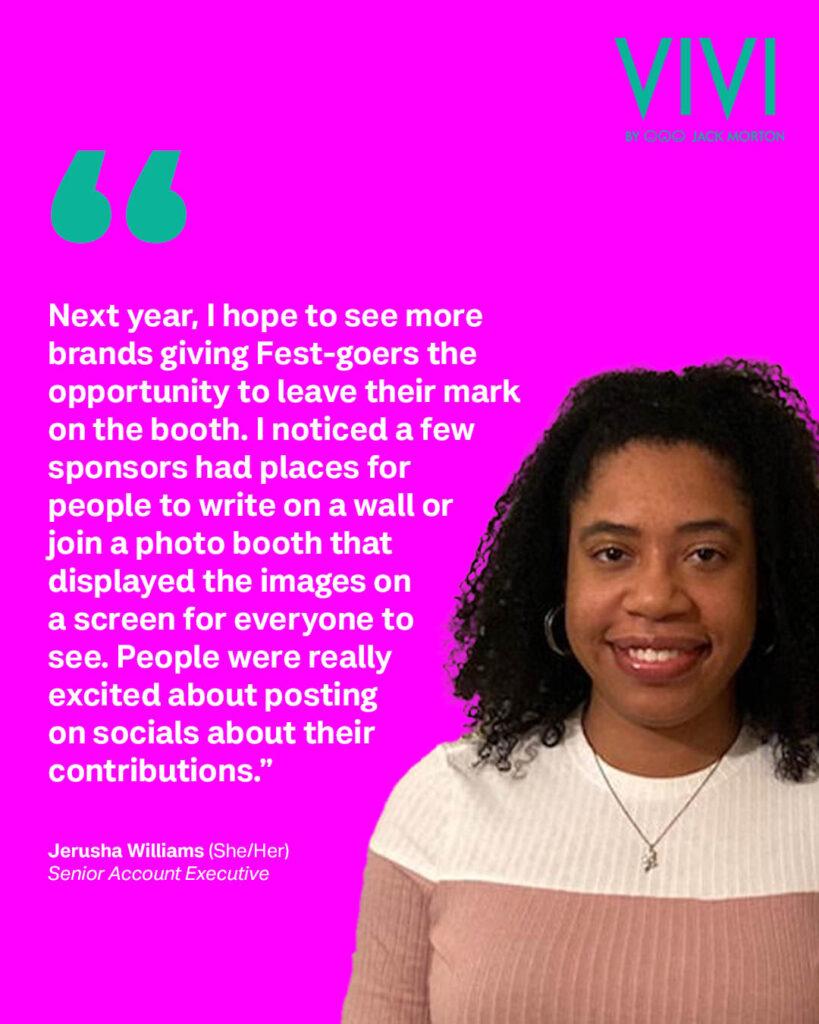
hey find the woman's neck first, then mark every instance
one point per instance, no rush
(660, 751)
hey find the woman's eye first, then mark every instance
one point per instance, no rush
(707, 556)
(609, 554)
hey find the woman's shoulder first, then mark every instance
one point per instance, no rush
(425, 790)
(441, 798)
(457, 770)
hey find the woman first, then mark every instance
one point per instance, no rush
(631, 831)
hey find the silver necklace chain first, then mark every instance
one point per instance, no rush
(649, 859)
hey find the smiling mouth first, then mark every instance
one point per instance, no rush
(656, 663)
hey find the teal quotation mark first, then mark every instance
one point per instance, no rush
(79, 213)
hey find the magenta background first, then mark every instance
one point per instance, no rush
(362, 155)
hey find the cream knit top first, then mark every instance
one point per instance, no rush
(520, 897)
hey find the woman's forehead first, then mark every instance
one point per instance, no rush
(652, 480)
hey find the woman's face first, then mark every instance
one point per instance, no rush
(661, 582)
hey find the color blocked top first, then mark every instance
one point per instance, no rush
(520, 897)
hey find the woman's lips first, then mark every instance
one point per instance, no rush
(683, 659)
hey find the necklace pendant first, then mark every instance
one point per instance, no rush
(649, 859)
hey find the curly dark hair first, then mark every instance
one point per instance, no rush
(748, 413)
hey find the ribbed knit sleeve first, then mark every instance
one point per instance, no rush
(391, 962)
(390, 983)
(414, 827)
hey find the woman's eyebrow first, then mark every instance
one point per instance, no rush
(718, 525)
(606, 526)
(693, 526)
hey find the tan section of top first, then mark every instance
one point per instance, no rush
(465, 952)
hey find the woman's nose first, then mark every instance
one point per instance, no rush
(656, 591)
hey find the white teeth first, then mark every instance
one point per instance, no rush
(652, 654)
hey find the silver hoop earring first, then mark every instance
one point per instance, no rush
(548, 629)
